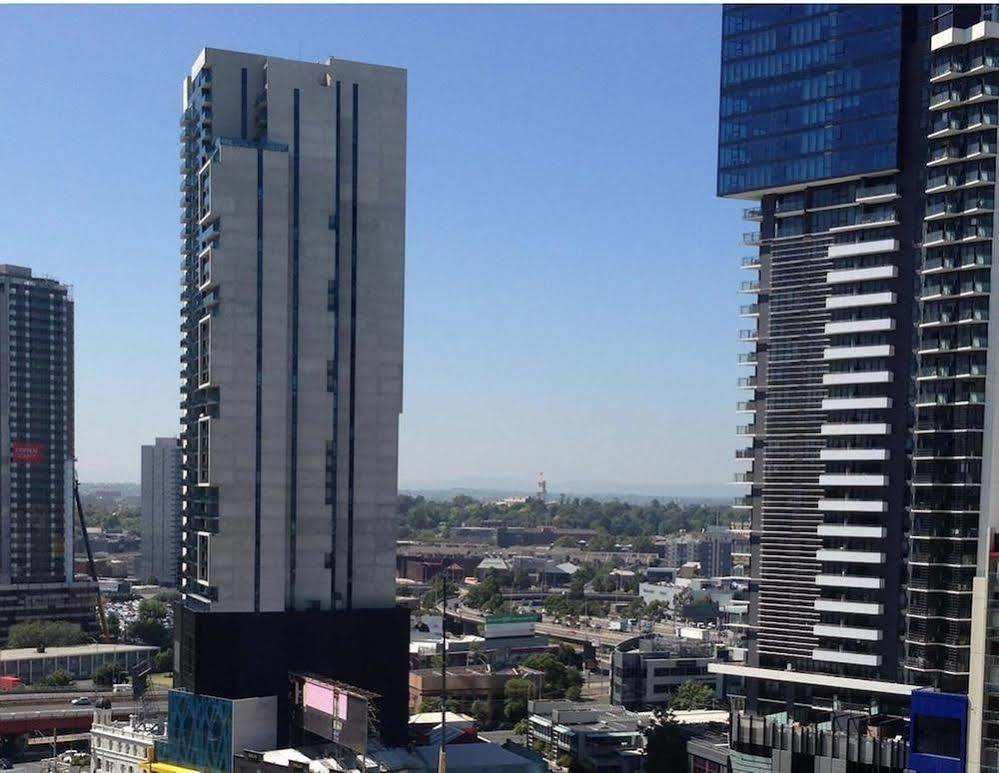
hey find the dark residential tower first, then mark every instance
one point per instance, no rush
(867, 137)
(37, 455)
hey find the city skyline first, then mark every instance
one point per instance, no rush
(487, 396)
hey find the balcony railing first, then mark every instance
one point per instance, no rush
(751, 238)
(749, 310)
(752, 214)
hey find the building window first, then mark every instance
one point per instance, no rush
(203, 555)
(205, 192)
(205, 268)
(205, 352)
(204, 450)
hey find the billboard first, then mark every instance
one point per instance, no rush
(334, 711)
(25, 453)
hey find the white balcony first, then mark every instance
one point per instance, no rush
(848, 581)
(853, 454)
(855, 403)
(846, 632)
(853, 658)
(862, 248)
(855, 429)
(849, 556)
(846, 530)
(848, 607)
(853, 505)
(837, 479)
(861, 274)
(857, 352)
(858, 377)
(859, 299)
(859, 326)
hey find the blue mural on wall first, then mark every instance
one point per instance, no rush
(199, 733)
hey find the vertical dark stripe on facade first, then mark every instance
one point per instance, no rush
(260, 377)
(353, 351)
(336, 344)
(242, 103)
(293, 498)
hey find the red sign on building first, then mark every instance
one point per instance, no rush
(25, 453)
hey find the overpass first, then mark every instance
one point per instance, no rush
(50, 714)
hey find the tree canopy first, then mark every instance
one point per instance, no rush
(427, 519)
(44, 633)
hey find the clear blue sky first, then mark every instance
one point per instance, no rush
(571, 276)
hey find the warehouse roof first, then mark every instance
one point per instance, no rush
(31, 653)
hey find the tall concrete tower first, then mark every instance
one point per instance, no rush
(293, 185)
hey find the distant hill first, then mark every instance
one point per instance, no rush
(711, 495)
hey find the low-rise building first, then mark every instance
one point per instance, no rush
(645, 671)
(81, 661)
(467, 684)
(594, 736)
(121, 747)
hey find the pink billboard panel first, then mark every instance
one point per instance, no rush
(325, 698)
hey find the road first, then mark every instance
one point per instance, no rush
(29, 767)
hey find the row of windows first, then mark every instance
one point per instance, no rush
(842, 23)
(745, 18)
(811, 88)
(790, 171)
(840, 109)
(881, 44)
(874, 130)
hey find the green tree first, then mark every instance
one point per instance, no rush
(573, 692)
(44, 633)
(429, 704)
(153, 609)
(109, 674)
(691, 696)
(163, 662)
(151, 632)
(665, 747)
(482, 710)
(517, 693)
(558, 676)
(563, 761)
(521, 727)
(114, 625)
(58, 678)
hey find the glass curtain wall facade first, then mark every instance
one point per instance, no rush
(822, 124)
(808, 93)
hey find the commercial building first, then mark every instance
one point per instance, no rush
(160, 513)
(37, 454)
(293, 233)
(121, 747)
(467, 684)
(204, 733)
(645, 672)
(593, 736)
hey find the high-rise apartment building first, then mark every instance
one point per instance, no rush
(36, 449)
(293, 232)
(160, 514)
(867, 137)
